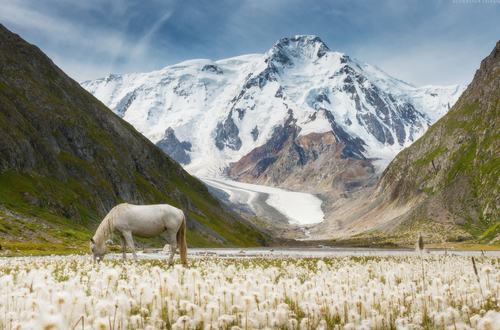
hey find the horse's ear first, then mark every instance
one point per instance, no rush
(92, 240)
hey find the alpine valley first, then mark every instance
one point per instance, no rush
(300, 117)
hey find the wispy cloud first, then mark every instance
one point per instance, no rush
(421, 41)
(60, 31)
(141, 46)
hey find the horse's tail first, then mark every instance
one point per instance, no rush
(181, 240)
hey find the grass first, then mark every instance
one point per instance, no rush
(426, 160)
(19, 249)
(463, 158)
(16, 189)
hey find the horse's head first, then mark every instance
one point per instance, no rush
(97, 251)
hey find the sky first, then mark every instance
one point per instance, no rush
(418, 41)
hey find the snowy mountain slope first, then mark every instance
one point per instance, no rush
(220, 111)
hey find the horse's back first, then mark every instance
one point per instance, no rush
(147, 220)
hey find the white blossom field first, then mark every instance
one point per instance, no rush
(342, 292)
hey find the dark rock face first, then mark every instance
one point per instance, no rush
(125, 104)
(226, 135)
(63, 152)
(287, 159)
(254, 132)
(279, 93)
(261, 79)
(265, 155)
(174, 148)
(353, 145)
(286, 49)
(212, 68)
(241, 113)
(389, 115)
(322, 98)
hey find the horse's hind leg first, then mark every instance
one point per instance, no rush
(130, 243)
(173, 244)
(124, 248)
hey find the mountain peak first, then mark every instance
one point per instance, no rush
(297, 47)
(226, 116)
(489, 67)
(301, 40)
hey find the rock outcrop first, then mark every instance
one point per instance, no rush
(175, 148)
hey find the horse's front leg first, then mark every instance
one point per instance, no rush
(130, 243)
(124, 248)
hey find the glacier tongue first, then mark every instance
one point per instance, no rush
(298, 208)
(219, 111)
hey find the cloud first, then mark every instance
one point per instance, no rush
(59, 33)
(81, 48)
(140, 48)
(422, 41)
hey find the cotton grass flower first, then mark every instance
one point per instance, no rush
(52, 322)
(288, 293)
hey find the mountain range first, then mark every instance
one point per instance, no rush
(387, 159)
(276, 118)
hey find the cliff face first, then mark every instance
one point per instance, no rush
(446, 183)
(314, 162)
(64, 154)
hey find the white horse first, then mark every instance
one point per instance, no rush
(145, 221)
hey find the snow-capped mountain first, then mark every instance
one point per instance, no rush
(208, 115)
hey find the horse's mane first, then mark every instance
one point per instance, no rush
(106, 228)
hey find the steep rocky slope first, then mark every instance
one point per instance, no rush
(67, 159)
(447, 182)
(315, 162)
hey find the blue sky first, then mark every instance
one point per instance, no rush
(423, 42)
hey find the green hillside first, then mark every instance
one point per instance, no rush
(449, 179)
(66, 160)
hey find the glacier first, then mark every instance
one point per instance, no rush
(299, 208)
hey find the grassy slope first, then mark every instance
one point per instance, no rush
(65, 160)
(451, 174)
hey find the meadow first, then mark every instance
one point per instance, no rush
(412, 291)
